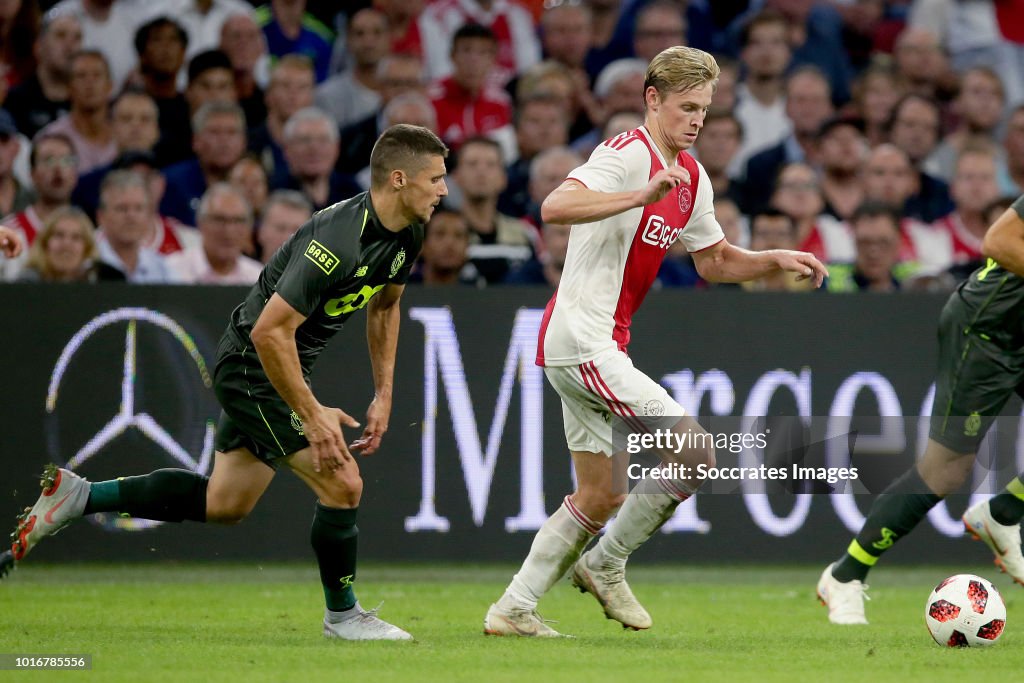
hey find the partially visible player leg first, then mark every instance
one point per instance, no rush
(651, 503)
(167, 495)
(557, 546)
(334, 537)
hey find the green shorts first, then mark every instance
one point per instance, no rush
(253, 415)
(976, 377)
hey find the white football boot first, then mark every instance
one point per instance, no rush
(364, 625)
(1003, 540)
(608, 585)
(62, 502)
(505, 619)
(845, 601)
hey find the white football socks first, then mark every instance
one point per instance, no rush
(556, 547)
(650, 504)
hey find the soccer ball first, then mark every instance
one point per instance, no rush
(965, 611)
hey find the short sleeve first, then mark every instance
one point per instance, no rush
(312, 269)
(605, 171)
(702, 230)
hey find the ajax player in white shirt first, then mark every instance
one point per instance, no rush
(639, 192)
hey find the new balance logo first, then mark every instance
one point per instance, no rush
(658, 234)
(361, 271)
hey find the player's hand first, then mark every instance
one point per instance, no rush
(10, 243)
(663, 182)
(377, 416)
(323, 431)
(805, 265)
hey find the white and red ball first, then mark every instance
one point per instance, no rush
(965, 611)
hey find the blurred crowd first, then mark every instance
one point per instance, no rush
(183, 141)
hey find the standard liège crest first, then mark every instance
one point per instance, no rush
(399, 261)
(297, 424)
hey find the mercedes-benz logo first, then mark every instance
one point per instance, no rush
(126, 416)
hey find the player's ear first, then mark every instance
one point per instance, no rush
(652, 98)
(398, 179)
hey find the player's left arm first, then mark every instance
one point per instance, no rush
(1004, 241)
(724, 262)
(383, 316)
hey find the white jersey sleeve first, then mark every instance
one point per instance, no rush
(703, 230)
(607, 170)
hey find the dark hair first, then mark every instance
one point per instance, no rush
(403, 146)
(543, 98)
(42, 137)
(91, 52)
(772, 213)
(144, 32)
(724, 115)
(207, 61)
(920, 98)
(876, 209)
(473, 30)
(486, 142)
(441, 212)
(763, 18)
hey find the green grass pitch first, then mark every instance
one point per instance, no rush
(191, 622)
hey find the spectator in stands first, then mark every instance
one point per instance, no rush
(290, 89)
(311, 150)
(717, 144)
(211, 78)
(13, 195)
(444, 259)
(920, 62)
(621, 122)
(466, 104)
(565, 34)
(286, 211)
(88, 122)
(974, 187)
(548, 170)
(19, 28)
(1013, 144)
(516, 45)
(225, 223)
(660, 24)
(842, 149)
(249, 176)
(761, 98)
(407, 24)
(876, 234)
(290, 30)
(889, 178)
(541, 123)
(203, 20)
(546, 267)
(125, 212)
(798, 193)
(243, 43)
(915, 129)
(808, 107)
(66, 251)
(161, 45)
(616, 91)
(54, 175)
(396, 74)
(876, 92)
(555, 80)
(107, 26)
(728, 77)
(773, 229)
(43, 97)
(733, 223)
(352, 95)
(167, 235)
(498, 242)
(218, 141)
(979, 107)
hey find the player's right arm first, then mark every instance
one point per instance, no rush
(273, 337)
(1004, 241)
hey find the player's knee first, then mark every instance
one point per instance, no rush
(229, 513)
(599, 503)
(343, 488)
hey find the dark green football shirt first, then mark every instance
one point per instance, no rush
(995, 298)
(328, 270)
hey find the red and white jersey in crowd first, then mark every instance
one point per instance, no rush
(964, 245)
(170, 236)
(460, 115)
(512, 24)
(612, 263)
(830, 241)
(928, 246)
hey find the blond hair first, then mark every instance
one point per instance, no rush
(679, 69)
(37, 253)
